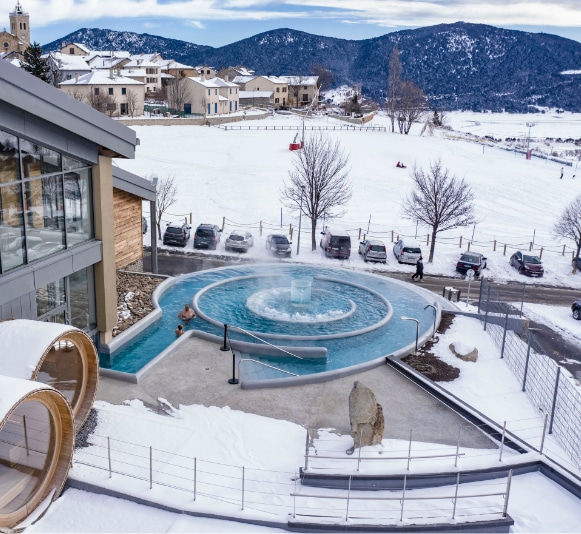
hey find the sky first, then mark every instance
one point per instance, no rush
(220, 22)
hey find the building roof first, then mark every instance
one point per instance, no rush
(276, 79)
(141, 63)
(255, 94)
(32, 96)
(131, 183)
(102, 77)
(213, 83)
(243, 79)
(105, 62)
(68, 62)
(78, 45)
(301, 80)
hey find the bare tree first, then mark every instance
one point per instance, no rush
(412, 105)
(319, 181)
(294, 88)
(55, 73)
(568, 225)
(393, 85)
(131, 101)
(439, 200)
(177, 94)
(78, 94)
(166, 196)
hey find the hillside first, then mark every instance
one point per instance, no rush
(459, 66)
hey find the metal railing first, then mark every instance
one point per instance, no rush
(396, 513)
(312, 128)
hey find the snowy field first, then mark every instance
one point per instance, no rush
(239, 175)
(224, 440)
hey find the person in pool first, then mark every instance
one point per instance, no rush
(187, 313)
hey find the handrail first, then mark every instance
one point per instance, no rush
(265, 365)
(264, 341)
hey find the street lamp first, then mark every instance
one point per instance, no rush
(530, 125)
(300, 218)
(404, 318)
(435, 315)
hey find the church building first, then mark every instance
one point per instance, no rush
(17, 40)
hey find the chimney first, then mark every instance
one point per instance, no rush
(111, 74)
(76, 77)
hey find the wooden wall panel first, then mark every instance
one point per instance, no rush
(128, 229)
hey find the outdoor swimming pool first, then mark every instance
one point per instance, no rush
(356, 316)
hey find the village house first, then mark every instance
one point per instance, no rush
(74, 49)
(210, 97)
(108, 92)
(252, 85)
(302, 90)
(229, 73)
(63, 67)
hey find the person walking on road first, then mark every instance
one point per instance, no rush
(419, 270)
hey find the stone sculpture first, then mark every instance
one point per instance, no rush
(366, 416)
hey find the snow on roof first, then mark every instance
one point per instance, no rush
(222, 98)
(68, 62)
(142, 63)
(99, 77)
(276, 79)
(256, 94)
(104, 62)
(301, 80)
(141, 73)
(167, 76)
(82, 47)
(175, 65)
(23, 342)
(146, 57)
(243, 79)
(213, 82)
(15, 389)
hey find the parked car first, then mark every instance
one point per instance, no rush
(527, 264)
(239, 240)
(336, 244)
(578, 261)
(407, 251)
(278, 245)
(373, 250)
(576, 309)
(471, 261)
(177, 234)
(207, 236)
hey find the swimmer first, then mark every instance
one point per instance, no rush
(187, 313)
(179, 330)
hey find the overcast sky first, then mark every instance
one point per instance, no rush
(220, 22)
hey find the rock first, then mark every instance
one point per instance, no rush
(467, 353)
(366, 416)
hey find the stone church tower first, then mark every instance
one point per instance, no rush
(17, 40)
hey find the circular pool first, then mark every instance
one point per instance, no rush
(356, 317)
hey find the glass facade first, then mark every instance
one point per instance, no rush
(45, 203)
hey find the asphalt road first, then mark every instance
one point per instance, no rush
(561, 350)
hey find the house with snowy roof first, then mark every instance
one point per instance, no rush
(65, 67)
(229, 73)
(210, 97)
(251, 85)
(302, 90)
(74, 49)
(108, 92)
(145, 71)
(176, 69)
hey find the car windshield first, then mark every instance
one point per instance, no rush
(531, 259)
(377, 248)
(173, 230)
(469, 258)
(236, 237)
(412, 250)
(280, 240)
(203, 232)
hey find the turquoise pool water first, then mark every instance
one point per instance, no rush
(227, 302)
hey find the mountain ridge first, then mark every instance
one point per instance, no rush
(459, 66)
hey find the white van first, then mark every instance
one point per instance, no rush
(407, 251)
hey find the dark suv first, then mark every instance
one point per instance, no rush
(176, 234)
(207, 236)
(336, 244)
(278, 245)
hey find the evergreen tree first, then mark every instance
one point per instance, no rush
(34, 63)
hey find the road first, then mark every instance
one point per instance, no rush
(560, 349)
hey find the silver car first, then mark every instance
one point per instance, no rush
(407, 251)
(373, 250)
(239, 240)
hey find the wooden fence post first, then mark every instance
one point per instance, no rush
(260, 227)
(530, 246)
(392, 236)
(541, 254)
(427, 240)
(468, 246)
(563, 250)
(494, 247)
(359, 236)
(460, 241)
(504, 253)
(223, 222)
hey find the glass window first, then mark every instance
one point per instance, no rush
(8, 157)
(80, 301)
(123, 90)
(44, 216)
(28, 441)
(78, 211)
(11, 227)
(71, 163)
(111, 91)
(50, 297)
(37, 160)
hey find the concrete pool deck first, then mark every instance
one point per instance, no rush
(197, 372)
